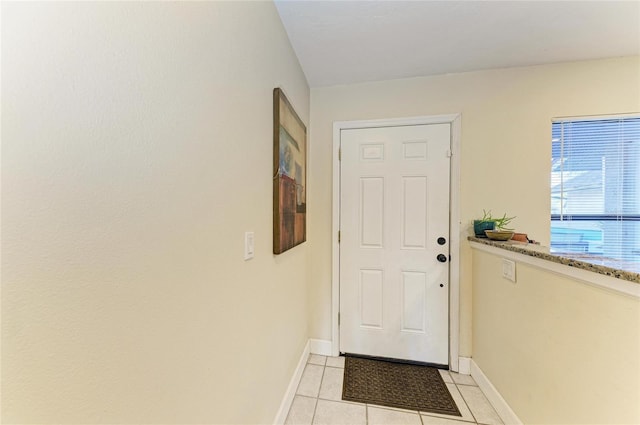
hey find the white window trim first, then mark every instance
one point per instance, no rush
(596, 117)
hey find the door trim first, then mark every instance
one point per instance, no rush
(454, 220)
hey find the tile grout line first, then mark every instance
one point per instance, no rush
(454, 382)
(466, 404)
(353, 403)
(489, 404)
(420, 416)
(419, 413)
(451, 418)
(315, 409)
(297, 388)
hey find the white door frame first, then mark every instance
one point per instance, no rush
(454, 220)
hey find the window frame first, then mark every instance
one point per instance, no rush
(608, 217)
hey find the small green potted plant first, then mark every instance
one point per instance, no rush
(485, 223)
(503, 222)
(496, 225)
(501, 232)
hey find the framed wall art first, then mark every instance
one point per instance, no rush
(289, 175)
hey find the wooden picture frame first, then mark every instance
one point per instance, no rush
(289, 175)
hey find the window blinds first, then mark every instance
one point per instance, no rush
(595, 187)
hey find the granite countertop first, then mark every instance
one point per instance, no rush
(629, 271)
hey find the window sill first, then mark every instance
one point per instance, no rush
(601, 273)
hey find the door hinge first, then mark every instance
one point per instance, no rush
(449, 154)
(338, 318)
(338, 236)
(339, 154)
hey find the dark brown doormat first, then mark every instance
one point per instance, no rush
(405, 386)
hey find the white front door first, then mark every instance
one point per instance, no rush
(394, 224)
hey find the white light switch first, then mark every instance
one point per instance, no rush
(509, 269)
(248, 245)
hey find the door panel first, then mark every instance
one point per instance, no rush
(414, 285)
(414, 211)
(394, 205)
(371, 283)
(371, 203)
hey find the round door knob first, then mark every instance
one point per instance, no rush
(442, 258)
(442, 285)
(441, 241)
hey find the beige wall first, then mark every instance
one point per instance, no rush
(558, 350)
(137, 150)
(506, 113)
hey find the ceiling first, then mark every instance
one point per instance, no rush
(344, 42)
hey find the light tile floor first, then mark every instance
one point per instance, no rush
(318, 401)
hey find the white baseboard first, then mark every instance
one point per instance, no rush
(320, 346)
(285, 405)
(464, 365)
(507, 415)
